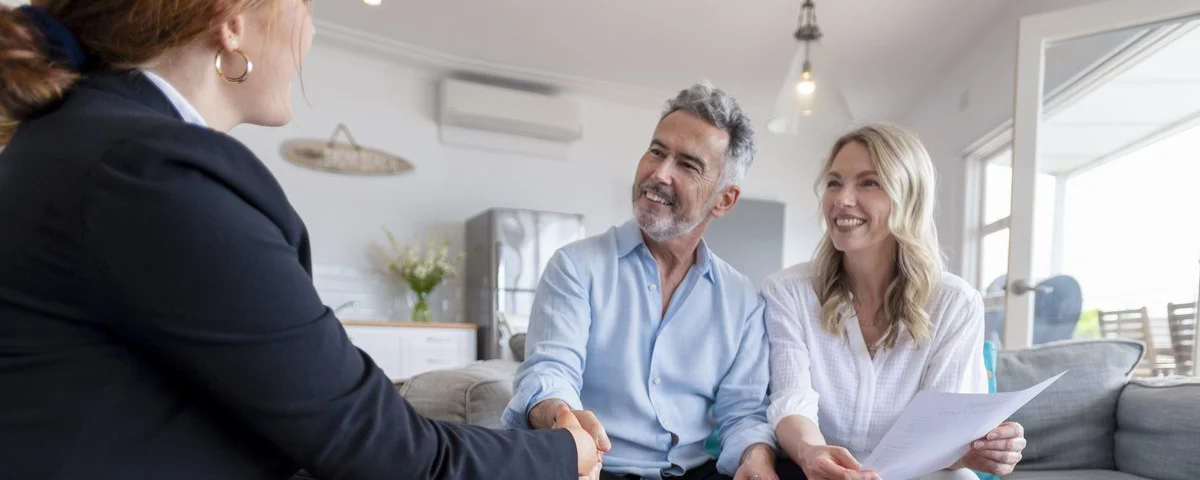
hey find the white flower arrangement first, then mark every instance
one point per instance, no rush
(422, 267)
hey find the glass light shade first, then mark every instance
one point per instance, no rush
(809, 95)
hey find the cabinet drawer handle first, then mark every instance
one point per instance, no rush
(437, 361)
(438, 339)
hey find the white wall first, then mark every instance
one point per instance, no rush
(391, 107)
(985, 77)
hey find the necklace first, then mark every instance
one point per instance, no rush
(870, 331)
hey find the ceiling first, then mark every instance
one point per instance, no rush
(1145, 87)
(884, 53)
(1154, 94)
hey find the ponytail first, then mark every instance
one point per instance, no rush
(39, 61)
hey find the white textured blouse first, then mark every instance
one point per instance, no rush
(181, 104)
(834, 381)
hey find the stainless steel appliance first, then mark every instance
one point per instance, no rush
(506, 252)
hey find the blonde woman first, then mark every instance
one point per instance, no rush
(874, 318)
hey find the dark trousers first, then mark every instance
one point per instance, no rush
(785, 468)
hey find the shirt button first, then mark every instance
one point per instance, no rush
(657, 381)
(652, 287)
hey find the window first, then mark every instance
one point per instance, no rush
(1131, 227)
(1112, 108)
(993, 238)
(1126, 229)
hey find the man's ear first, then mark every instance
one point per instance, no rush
(726, 200)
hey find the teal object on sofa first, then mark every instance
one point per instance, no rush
(989, 362)
(713, 444)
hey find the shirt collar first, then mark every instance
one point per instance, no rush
(185, 108)
(629, 238)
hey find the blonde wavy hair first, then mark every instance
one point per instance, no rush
(907, 176)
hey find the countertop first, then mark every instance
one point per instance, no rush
(408, 324)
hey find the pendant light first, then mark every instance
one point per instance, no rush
(808, 95)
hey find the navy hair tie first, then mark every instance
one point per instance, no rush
(61, 43)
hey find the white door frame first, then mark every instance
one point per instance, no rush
(1035, 32)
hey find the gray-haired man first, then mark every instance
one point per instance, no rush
(645, 331)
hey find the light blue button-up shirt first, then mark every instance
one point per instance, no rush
(660, 384)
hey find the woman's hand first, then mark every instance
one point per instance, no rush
(997, 452)
(824, 462)
(594, 475)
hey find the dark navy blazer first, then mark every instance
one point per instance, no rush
(158, 319)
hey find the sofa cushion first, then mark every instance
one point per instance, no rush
(475, 394)
(1070, 425)
(517, 344)
(1158, 428)
(1072, 475)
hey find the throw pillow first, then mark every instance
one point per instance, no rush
(1071, 424)
(517, 344)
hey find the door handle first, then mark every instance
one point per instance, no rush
(1021, 287)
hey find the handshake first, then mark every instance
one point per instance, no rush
(590, 439)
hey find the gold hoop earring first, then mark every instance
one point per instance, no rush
(238, 79)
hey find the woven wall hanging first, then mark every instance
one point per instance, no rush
(343, 157)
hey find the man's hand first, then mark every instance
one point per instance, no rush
(758, 463)
(997, 452)
(585, 446)
(822, 462)
(545, 415)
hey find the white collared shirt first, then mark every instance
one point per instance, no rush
(833, 380)
(185, 108)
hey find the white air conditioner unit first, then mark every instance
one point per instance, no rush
(497, 109)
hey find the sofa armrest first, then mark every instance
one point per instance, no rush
(475, 394)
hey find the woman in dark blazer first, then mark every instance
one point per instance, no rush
(157, 314)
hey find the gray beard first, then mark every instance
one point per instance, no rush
(670, 227)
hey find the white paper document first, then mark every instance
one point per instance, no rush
(937, 429)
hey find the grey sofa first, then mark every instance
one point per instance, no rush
(1094, 423)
